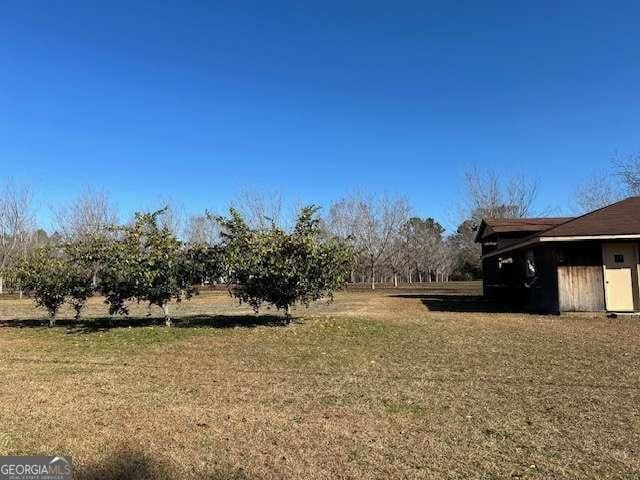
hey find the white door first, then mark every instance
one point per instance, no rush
(619, 260)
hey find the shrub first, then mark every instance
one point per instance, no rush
(282, 268)
(146, 262)
(52, 279)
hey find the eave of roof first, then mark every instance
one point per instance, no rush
(618, 221)
(507, 225)
(535, 239)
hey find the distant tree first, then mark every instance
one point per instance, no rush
(173, 216)
(467, 265)
(423, 237)
(202, 230)
(270, 265)
(604, 187)
(597, 191)
(488, 195)
(261, 209)
(628, 170)
(89, 214)
(16, 226)
(445, 259)
(85, 225)
(396, 258)
(374, 223)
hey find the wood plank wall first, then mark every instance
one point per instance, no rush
(581, 288)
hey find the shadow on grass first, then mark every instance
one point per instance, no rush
(190, 321)
(129, 464)
(460, 303)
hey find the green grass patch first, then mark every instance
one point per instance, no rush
(395, 407)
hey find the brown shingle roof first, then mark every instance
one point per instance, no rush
(620, 218)
(506, 225)
(525, 224)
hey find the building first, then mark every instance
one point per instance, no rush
(582, 264)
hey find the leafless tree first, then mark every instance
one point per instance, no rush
(89, 213)
(201, 229)
(173, 217)
(596, 192)
(608, 186)
(261, 209)
(16, 225)
(444, 259)
(396, 257)
(491, 195)
(375, 224)
(628, 170)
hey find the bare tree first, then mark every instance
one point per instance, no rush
(88, 214)
(490, 195)
(201, 229)
(16, 226)
(260, 209)
(396, 257)
(603, 188)
(375, 225)
(596, 192)
(628, 170)
(444, 259)
(422, 239)
(173, 216)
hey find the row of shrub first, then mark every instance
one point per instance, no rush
(144, 261)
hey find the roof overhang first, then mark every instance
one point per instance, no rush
(578, 238)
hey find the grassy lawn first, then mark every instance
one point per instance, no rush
(398, 384)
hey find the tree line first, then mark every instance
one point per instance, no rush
(386, 241)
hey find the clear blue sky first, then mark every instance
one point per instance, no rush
(198, 99)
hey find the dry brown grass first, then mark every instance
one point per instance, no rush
(375, 385)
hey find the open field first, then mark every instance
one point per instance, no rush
(398, 384)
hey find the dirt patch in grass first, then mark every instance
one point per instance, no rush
(375, 385)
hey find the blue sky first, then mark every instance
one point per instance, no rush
(197, 100)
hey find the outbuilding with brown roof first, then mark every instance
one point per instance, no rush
(586, 263)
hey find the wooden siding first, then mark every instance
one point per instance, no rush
(581, 288)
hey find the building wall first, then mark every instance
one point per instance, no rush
(508, 280)
(569, 277)
(581, 288)
(580, 277)
(635, 273)
(542, 294)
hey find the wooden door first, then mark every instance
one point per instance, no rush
(619, 262)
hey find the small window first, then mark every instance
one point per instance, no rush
(618, 258)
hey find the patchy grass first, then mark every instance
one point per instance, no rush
(394, 407)
(391, 384)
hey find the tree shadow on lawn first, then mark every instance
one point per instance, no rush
(190, 321)
(460, 303)
(130, 464)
